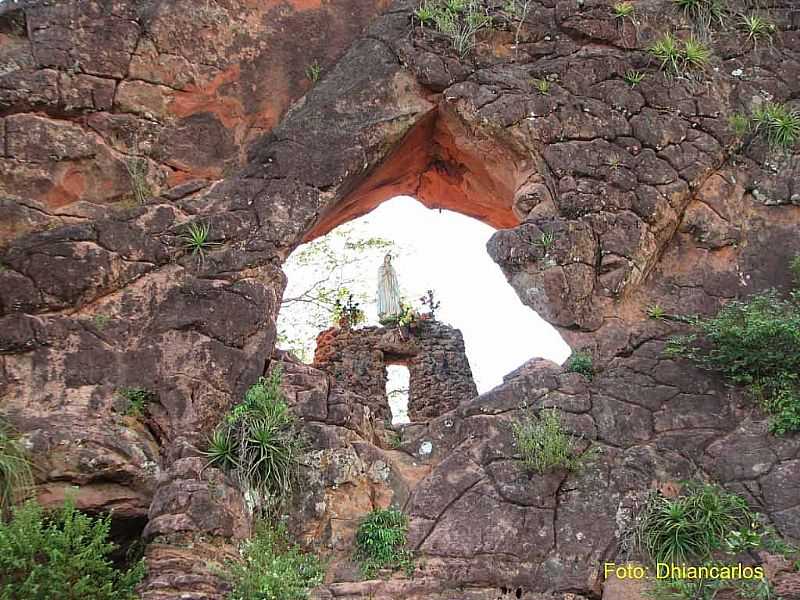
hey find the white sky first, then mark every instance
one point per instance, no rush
(446, 251)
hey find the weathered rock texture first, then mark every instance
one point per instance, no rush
(440, 377)
(646, 194)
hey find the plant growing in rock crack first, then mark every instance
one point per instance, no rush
(679, 57)
(542, 86)
(257, 443)
(633, 77)
(60, 556)
(272, 567)
(380, 542)
(137, 172)
(459, 20)
(703, 14)
(778, 123)
(313, 72)
(195, 239)
(655, 311)
(756, 27)
(16, 475)
(739, 125)
(754, 343)
(543, 444)
(546, 241)
(100, 321)
(623, 10)
(137, 400)
(581, 363)
(518, 10)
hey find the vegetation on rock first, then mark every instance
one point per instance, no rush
(544, 445)
(459, 20)
(257, 443)
(755, 343)
(703, 525)
(16, 475)
(272, 568)
(380, 542)
(137, 399)
(61, 556)
(581, 362)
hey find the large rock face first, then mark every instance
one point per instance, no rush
(612, 197)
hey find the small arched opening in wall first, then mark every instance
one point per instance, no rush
(398, 381)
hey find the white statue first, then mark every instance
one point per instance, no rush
(389, 309)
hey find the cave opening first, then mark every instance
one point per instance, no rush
(438, 251)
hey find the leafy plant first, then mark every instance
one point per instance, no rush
(755, 343)
(138, 399)
(196, 240)
(408, 316)
(623, 10)
(426, 13)
(137, 172)
(546, 241)
(756, 27)
(258, 445)
(633, 77)
(739, 124)
(692, 526)
(704, 13)
(655, 312)
(273, 567)
(61, 556)
(16, 475)
(348, 313)
(581, 362)
(313, 72)
(543, 444)
(542, 86)
(679, 57)
(459, 20)
(380, 542)
(778, 123)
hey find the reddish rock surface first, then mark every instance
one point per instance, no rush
(643, 192)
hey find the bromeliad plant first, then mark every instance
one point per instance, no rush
(195, 239)
(257, 443)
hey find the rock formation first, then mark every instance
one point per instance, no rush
(643, 193)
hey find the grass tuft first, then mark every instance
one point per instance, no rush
(778, 123)
(756, 27)
(380, 542)
(623, 10)
(544, 445)
(16, 475)
(633, 77)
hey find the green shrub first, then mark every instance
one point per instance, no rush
(380, 542)
(273, 568)
(138, 399)
(692, 526)
(61, 556)
(258, 444)
(755, 343)
(543, 444)
(16, 476)
(581, 362)
(778, 124)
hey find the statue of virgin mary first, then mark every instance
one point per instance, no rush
(388, 293)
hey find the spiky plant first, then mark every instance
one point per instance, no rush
(195, 239)
(704, 13)
(16, 475)
(756, 27)
(623, 10)
(633, 77)
(778, 123)
(667, 50)
(696, 55)
(739, 124)
(543, 444)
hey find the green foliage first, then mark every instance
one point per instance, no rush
(408, 316)
(459, 20)
(313, 72)
(778, 123)
(137, 172)
(690, 528)
(138, 399)
(273, 568)
(633, 77)
(794, 269)
(63, 556)
(546, 241)
(544, 445)
(755, 343)
(195, 239)
(581, 362)
(542, 86)
(679, 57)
(623, 10)
(380, 539)
(257, 443)
(100, 321)
(739, 124)
(16, 476)
(756, 27)
(655, 312)
(348, 313)
(704, 13)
